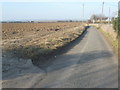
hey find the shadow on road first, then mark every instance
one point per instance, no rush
(66, 61)
(69, 60)
(59, 51)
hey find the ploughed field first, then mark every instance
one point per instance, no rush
(20, 30)
(29, 39)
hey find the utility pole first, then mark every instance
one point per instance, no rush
(109, 16)
(93, 21)
(102, 12)
(83, 13)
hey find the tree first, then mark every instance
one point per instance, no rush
(116, 23)
(93, 17)
(97, 17)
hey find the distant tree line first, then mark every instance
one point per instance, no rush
(98, 17)
(39, 21)
(68, 21)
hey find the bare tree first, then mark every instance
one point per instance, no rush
(93, 17)
(96, 17)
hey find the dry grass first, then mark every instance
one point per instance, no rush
(110, 35)
(111, 40)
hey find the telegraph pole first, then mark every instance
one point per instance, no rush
(109, 16)
(83, 13)
(102, 11)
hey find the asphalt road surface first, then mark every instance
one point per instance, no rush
(90, 63)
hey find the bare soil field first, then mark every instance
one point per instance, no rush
(20, 30)
(19, 35)
(26, 41)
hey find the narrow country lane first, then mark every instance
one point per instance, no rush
(89, 64)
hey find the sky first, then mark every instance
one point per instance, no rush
(73, 10)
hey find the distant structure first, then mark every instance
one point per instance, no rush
(97, 18)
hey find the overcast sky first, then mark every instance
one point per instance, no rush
(55, 10)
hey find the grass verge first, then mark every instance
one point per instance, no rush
(113, 42)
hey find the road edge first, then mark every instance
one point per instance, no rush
(109, 40)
